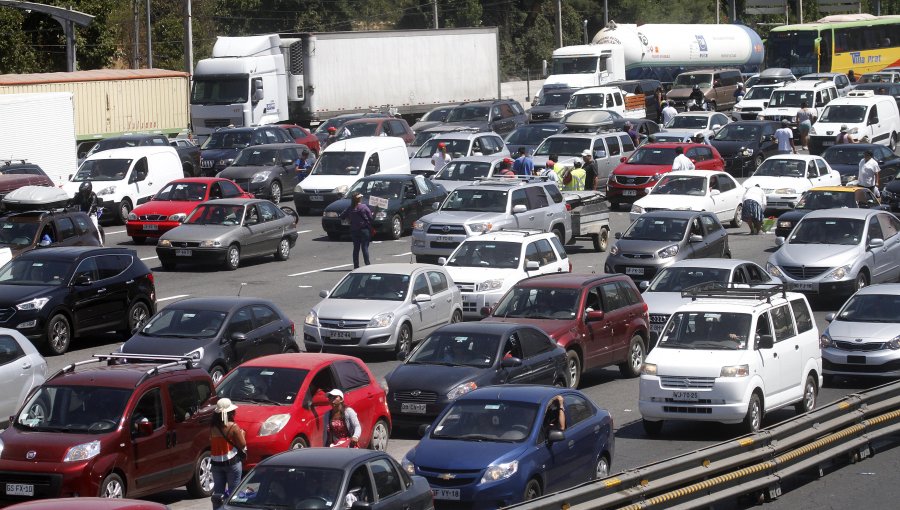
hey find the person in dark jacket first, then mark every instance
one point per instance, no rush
(360, 227)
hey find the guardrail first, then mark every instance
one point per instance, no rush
(755, 463)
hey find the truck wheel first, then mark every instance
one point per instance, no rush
(601, 240)
(124, 210)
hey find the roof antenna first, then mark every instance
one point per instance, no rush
(243, 284)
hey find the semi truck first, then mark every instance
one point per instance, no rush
(310, 77)
(40, 128)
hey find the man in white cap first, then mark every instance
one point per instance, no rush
(591, 174)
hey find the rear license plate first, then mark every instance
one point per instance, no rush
(638, 271)
(445, 239)
(151, 226)
(22, 489)
(809, 287)
(316, 198)
(629, 193)
(827, 144)
(657, 328)
(413, 408)
(861, 360)
(685, 396)
(183, 253)
(345, 222)
(341, 335)
(445, 494)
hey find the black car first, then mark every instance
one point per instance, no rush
(498, 115)
(320, 478)
(825, 197)
(220, 333)
(55, 294)
(890, 195)
(745, 144)
(531, 135)
(222, 146)
(189, 154)
(548, 107)
(396, 201)
(268, 171)
(458, 358)
(845, 159)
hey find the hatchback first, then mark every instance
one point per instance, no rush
(25, 231)
(269, 171)
(784, 178)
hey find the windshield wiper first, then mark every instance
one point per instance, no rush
(476, 437)
(262, 400)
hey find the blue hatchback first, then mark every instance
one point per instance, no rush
(501, 445)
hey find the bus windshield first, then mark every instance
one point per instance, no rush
(793, 49)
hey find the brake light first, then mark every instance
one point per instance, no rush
(568, 206)
(646, 308)
(151, 278)
(292, 327)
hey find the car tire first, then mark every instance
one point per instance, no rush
(139, 241)
(380, 435)
(404, 340)
(112, 487)
(737, 221)
(754, 417)
(298, 444)
(201, 484)
(168, 265)
(652, 428)
(559, 235)
(601, 468)
(396, 227)
(573, 365)
(284, 250)
(124, 210)
(233, 257)
(138, 313)
(634, 361)
(601, 240)
(59, 334)
(810, 391)
(862, 280)
(456, 317)
(275, 192)
(216, 373)
(532, 490)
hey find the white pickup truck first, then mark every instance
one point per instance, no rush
(607, 98)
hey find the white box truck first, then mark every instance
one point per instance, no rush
(40, 129)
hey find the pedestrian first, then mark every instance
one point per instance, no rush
(739, 93)
(360, 227)
(869, 173)
(505, 168)
(343, 424)
(304, 164)
(549, 172)
(660, 102)
(332, 136)
(805, 119)
(681, 162)
(851, 76)
(579, 176)
(523, 164)
(591, 171)
(785, 139)
(227, 450)
(669, 113)
(753, 208)
(440, 157)
(844, 136)
(629, 128)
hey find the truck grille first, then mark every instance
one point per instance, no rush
(632, 180)
(206, 163)
(698, 383)
(216, 123)
(861, 347)
(417, 396)
(803, 272)
(342, 324)
(296, 56)
(447, 230)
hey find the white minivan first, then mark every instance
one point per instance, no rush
(126, 177)
(869, 118)
(731, 356)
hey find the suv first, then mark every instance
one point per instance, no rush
(600, 319)
(126, 429)
(549, 106)
(22, 232)
(497, 115)
(760, 352)
(608, 149)
(785, 102)
(840, 80)
(222, 146)
(490, 205)
(187, 152)
(717, 85)
(459, 144)
(484, 267)
(17, 173)
(377, 127)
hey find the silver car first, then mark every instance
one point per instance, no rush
(383, 307)
(22, 369)
(462, 171)
(863, 338)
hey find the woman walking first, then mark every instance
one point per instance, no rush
(805, 119)
(360, 227)
(343, 425)
(228, 448)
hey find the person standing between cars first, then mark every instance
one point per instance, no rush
(360, 227)
(578, 178)
(805, 119)
(343, 424)
(591, 172)
(440, 157)
(844, 136)
(304, 164)
(851, 76)
(681, 162)
(869, 173)
(332, 136)
(785, 139)
(550, 172)
(504, 168)
(87, 202)
(523, 164)
(660, 102)
(739, 93)
(227, 449)
(668, 113)
(629, 128)
(753, 208)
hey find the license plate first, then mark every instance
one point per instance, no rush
(827, 144)
(657, 328)
(183, 253)
(316, 198)
(638, 271)
(445, 494)
(341, 335)
(151, 226)
(860, 360)
(414, 409)
(809, 287)
(685, 396)
(629, 193)
(345, 222)
(445, 239)
(22, 489)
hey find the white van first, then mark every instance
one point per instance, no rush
(343, 163)
(786, 101)
(869, 118)
(126, 177)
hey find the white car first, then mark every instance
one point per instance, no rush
(754, 101)
(484, 267)
(784, 178)
(22, 369)
(691, 123)
(695, 190)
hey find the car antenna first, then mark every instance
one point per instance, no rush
(243, 284)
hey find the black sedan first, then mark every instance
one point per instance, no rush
(219, 333)
(458, 358)
(268, 171)
(321, 478)
(845, 159)
(745, 144)
(396, 201)
(890, 196)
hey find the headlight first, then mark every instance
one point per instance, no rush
(210, 244)
(479, 227)
(894, 344)
(261, 176)
(312, 318)
(793, 120)
(408, 466)
(380, 215)
(488, 285)
(773, 270)
(496, 472)
(648, 369)
(667, 252)
(784, 224)
(274, 424)
(461, 390)
(224, 162)
(164, 243)
(419, 225)
(330, 214)
(196, 354)
(785, 191)
(812, 130)
(132, 216)
(614, 250)
(109, 190)
(826, 341)
(556, 114)
(735, 371)
(177, 217)
(381, 320)
(83, 451)
(840, 272)
(341, 189)
(34, 304)
(298, 188)
(736, 108)
(636, 209)
(746, 152)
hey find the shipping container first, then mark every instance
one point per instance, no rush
(40, 129)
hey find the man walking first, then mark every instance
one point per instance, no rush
(681, 162)
(869, 173)
(785, 139)
(523, 164)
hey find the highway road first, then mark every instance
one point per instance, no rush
(317, 263)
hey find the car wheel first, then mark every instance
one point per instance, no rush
(456, 317)
(753, 419)
(396, 227)
(284, 250)
(559, 235)
(601, 240)
(168, 265)
(112, 487)
(380, 435)
(601, 470)
(217, 373)
(635, 360)
(532, 490)
(59, 334)
(124, 210)
(233, 257)
(201, 484)
(737, 221)
(652, 428)
(298, 444)
(139, 240)
(275, 192)
(810, 390)
(138, 314)
(404, 340)
(862, 280)
(573, 363)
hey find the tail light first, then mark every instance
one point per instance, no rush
(292, 327)
(151, 278)
(568, 206)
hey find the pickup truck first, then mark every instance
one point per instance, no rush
(607, 98)
(188, 153)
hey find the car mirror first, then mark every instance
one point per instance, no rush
(715, 192)
(644, 285)
(82, 279)
(238, 337)
(594, 316)
(143, 427)
(532, 265)
(320, 399)
(618, 235)
(423, 429)
(519, 209)
(696, 238)
(830, 317)
(436, 206)
(511, 362)
(556, 436)
(442, 261)
(779, 241)
(486, 311)
(323, 294)
(876, 243)
(422, 298)
(623, 159)
(764, 341)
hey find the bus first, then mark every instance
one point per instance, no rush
(839, 43)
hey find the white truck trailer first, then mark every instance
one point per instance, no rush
(40, 129)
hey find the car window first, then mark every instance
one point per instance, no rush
(10, 350)
(592, 301)
(251, 216)
(545, 252)
(627, 142)
(438, 281)
(229, 189)
(267, 211)
(387, 480)
(65, 228)
(560, 249)
(263, 315)
(373, 166)
(421, 285)
(696, 229)
(421, 184)
(187, 397)
(360, 485)
(802, 315)
(694, 154)
(764, 326)
(756, 273)
(784, 325)
(704, 154)
(577, 408)
(289, 153)
(537, 199)
(83, 224)
(350, 375)
(149, 407)
(738, 276)
(534, 342)
(874, 230)
(726, 183)
(610, 294)
(628, 294)
(241, 322)
(710, 225)
(88, 267)
(554, 193)
(531, 253)
(889, 225)
(823, 168)
(612, 142)
(112, 265)
(519, 198)
(506, 111)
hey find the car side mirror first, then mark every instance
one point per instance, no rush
(519, 209)
(423, 429)
(238, 337)
(764, 342)
(716, 127)
(556, 436)
(143, 427)
(830, 317)
(323, 294)
(715, 192)
(320, 399)
(486, 311)
(644, 285)
(510, 362)
(436, 206)
(532, 265)
(82, 279)
(876, 243)
(422, 298)
(442, 261)
(287, 162)
(618, 235)
(623, 159)
(594, 316)
(696, 238)
(779, 241)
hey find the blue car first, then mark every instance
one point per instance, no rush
(501, 445)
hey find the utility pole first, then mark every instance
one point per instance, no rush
(605, 13)
(149, 39)
(435, 15)
(188, 39)
(584, 23)
(559, 21)
(136, 58)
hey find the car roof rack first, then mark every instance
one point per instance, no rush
(734, 291)
(173, 361)
(514, 180)
(9, 162)
(521, 231)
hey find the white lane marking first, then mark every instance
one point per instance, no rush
(148, 258)
(400, 240)
(402, 254)
(304, 286)
(304, 231)
(377, 242)
(320, 270)
(172, 297)
(116, 232)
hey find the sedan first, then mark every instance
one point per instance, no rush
(219, 333)
(691, 123)
(282, 402)
(331, 478)
(695, 190)
(826, 197)
(890, 196)
(845, 159)
(22, 369)
(746, 144)
(502, 445)
(784, 178)
(383, 307)
(266, 171)
(224, 231)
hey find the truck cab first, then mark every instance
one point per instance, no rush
(586, 65)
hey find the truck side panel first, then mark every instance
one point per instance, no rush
(40, 128)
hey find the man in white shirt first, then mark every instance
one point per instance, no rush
(440, 157)
(668, 112)
(785, 139)
(753, 208)
(681, 161)
(869, 172)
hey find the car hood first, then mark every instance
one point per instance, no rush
(674, 202)
(480, 274)
(199, 232)
(794, 215)
(728, 148)
(343, 204)
(422, 164)
(663, 302)
(645, 246)
(845, 169)
(48, 447)
(460, 217)
(867, 331)
(632, 169)
(11, 295)
(218, 153)
(556, 329)
(165, 207)
(457, 455)
(772, 183)
(244, 172)
(354, 309)
(250, 415)
(683, 362)
(437, 378)
(328, 182)
(816, 255)
(140, 344)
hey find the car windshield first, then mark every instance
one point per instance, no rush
(791, 98)
(436, 115)
(335, 122)
(228, 140)
(474, 350)
(74, 409)
(706, 331)
(841, 231)
(652, 156)
(871, 308)
(663, 137)
(476, 200)
(775, 167)
(551, 98)
(102, 170)
(376, 187)
(676, 279)
(353, 130)
(182, 192)
(456, 147)
(113, 143)
(464, 171)
(877, 78)
(812, 200)
(575, 65)
(493, 254)
(468, 113)
(338, 163)
(35, 272)
(681, 185)
(422, 137)
(588, 101)
(654, 228)
(688, 122)
(851, 114)
(257, 157)
(490, 421)
(530, 135)
(372, 286)
(185, 323)
(563, 146)
(288, 487)
(738, 133)
(843, 154)
(18, 233)
(538, 303)
(263, 385)
(688, 80)
(760, 92)
(216, 214)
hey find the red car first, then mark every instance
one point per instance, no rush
(282, 403)
(634, 177)
(89, 504)
(174, 202)
(303, 136)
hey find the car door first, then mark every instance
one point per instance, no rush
(390, 490)
(427, 310)
(572, 460)
(88, 299)
(512, 348)
(228, 190)
(256, 232)
(15, 369)
(242, 348)
(138, 188)
(539, 352)
(767, 143)
(66, 235)
(184, 400)
(360, 392)
(274, 229)
(524, 219)
(270, 332)
(287, 173)
(787, 351)
(324, 380)
(115, 297)
(727, 199)
(756, 275)
(151, 454)
(714, 236)
(441, 297)
(541, 216)
(697, 248)
(411, 202)
(890, 228)
(549, 260)
(603, 162)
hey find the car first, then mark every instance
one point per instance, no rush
(825, 197)
(254, 228)
(266, 171)
(174, 203)
(282, 401)
(188, 153)
(549, 106)
(498, 115)
(690, 124)
(530, 136)
(880, 77)
(599, 319)
(772, 75)
(695, 190)
(383, 308)
(485, 266)
(497, 446)
(25, 231)
(754, 101)
(100, 429)
(635, 175)
(331, 478)
(377, 126)
(17, 173)
(459, 358)
(337, 121)
(658, 239)
(732, 355)
(853, 248)
(53, 295)
(890, 195)
(468, 170)
(745, 144)
(218, 333)
(717, 86)
(647, 87)
(82, 503)
(607, 149)
(421, 137)
(432, 118)
(868, 118)
(840, 80)
(303, 136)
(396, 201)
(845, 159)
(459, 144)
(785, 177)
(22, 368)
(222, 146)
(862, 337)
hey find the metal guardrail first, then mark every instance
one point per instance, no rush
(755, 463)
